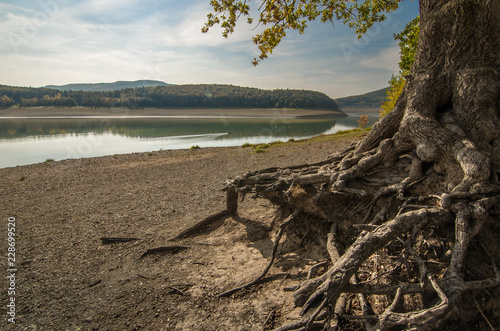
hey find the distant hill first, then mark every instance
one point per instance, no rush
(368, 100)
(173, 96)
(107, 87)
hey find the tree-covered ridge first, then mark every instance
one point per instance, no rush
(368, 100)
(175, 96)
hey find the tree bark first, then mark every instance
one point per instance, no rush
(435, 159)
(450, 105)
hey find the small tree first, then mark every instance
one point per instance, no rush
(6, 102)
(408, 40)
(396, 86)
(363, 121)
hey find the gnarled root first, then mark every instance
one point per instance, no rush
(315, 295)
(428, 191)
(395, 182)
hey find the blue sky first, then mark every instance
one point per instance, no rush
(89, 41)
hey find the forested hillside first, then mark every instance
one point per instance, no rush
(175, 96)
(368, 100)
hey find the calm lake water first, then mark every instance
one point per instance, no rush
(33, 140)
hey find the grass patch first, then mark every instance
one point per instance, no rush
(49, 160)
(195, 147)
(336, 136)
(259, 148)
(346, 134)
(352, 131)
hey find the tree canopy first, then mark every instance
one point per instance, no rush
(280, 16)
(175, 96)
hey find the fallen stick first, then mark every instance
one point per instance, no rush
(231, 210)
(114, 240)
(164, 249)
(207, 221)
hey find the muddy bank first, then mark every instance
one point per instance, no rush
(67, 279)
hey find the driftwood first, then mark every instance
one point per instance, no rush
(164, 250)
(231, 210)
(115, 240)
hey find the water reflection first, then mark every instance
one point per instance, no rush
(26, 141)
(163, 127)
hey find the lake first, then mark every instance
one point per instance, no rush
(33, 140)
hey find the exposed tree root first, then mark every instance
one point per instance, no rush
(404, 198)
(428, 174)
(415, 193)
(277, 239)
(231, 210)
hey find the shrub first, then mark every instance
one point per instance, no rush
(363, 121)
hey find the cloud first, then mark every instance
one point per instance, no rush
(387, 59)
(64, 41)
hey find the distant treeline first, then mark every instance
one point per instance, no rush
(368, 100)
(175, 96)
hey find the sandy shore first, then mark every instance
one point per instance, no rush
(67, 279)
(188, 112)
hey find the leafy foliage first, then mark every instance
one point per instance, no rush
(6, 102)
(397, 83)
(281, 16)
(175, 96)
(408, 40)
(363, 121)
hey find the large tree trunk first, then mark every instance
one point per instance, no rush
(427, 172)
(451, 102)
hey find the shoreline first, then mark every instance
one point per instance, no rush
(63, 209)
(85, 112)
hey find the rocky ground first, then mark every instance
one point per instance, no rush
(67, 278)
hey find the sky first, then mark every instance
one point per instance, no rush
(56, 42)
